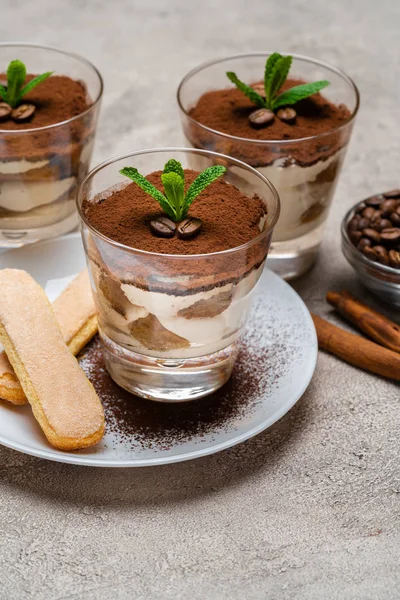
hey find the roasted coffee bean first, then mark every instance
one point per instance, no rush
(363, 243)
(363, 223)
(398, 210)
(388, 207)
(373, 201)
(163, 227)
(369, 253)
(395, 219)
(372, 234)
(394, 259)
(368, 212)
(381, 255)
(261, 117)
(189, 227)
(392, 194)
(355, 236)
(5, 111)
(287, 115)
(391, 235)
(353, 224)
(381, 224)
(23, 113)
(360, 207)
(260, 89)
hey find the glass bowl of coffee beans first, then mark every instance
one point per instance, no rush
(371, 243)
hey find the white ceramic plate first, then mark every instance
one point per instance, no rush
(280, 346)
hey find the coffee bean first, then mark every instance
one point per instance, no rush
(23, 113)
(363, 223)
(392, 194)
(163, 227)
(360, 207)
(373, 235)
(189, 227)
(261, 117)
(381, 224)
(353, 224)
(395, 219)
(363, 243)
(390, 235)
(287, 115)
(394, 259)
(388, 207)
(368, 212)
(370, 253)
(5, 111)
(398, 210)
(381, 255)
(355, 236)
(260, 89)
(373, 201)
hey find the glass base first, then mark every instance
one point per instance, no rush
(15, 238)
(168, 380)
(293, 258)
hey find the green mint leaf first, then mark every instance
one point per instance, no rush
(201, 182)
(16, 75)
(3, 93)
(149, 188)
(279, 74)
(33, 83)
(299, 92)
(174, 190)
(247, 90)
(174, 166)
(269, 66)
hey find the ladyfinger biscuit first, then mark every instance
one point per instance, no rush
(62, 398)
(75, 313)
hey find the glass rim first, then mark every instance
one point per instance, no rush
(301, 57)
(71, 55)
(237, 162)
(377, 267)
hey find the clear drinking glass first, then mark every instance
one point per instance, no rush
(40, 168)
(305, 190)
(169, 324)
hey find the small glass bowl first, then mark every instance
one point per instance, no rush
(383, 281)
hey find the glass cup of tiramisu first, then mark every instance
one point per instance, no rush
(49, 103)
(174, 255)
(298, 145)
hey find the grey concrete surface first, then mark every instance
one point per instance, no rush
(307, 510)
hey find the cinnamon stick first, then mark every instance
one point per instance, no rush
(371, 322)
(356, 350)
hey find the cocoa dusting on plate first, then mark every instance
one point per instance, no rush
(56, 99)
(227, 111)
(140, 423)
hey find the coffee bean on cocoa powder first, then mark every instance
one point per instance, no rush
(189, 227)
(394, 259)
(23, 113)
(261, 118)
(5, 111)
(287, 115)
(163, 227)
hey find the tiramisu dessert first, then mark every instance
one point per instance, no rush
(185, 250)
(283, 126)
(45, 147)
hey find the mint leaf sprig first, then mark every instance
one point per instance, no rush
(277, 69)
(174, 202)
(15, 89)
